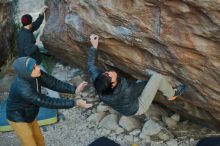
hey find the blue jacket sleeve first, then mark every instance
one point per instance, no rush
(29, 95)
(94, 71)
(36, 24)
(55, 84)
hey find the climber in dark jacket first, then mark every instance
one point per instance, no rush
(25, 99)
(26, 43)
(127, 97)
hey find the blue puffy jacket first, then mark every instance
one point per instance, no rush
(25, 95)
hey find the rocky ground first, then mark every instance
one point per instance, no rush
(79, 127)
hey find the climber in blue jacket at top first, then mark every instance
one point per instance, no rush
(26, 43)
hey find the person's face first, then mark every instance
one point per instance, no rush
(31, 26)
(36, 71)
(113, 75)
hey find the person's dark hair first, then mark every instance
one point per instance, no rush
(103, 141)
(209, 141)
(103, 84)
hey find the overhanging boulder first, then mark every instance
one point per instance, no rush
(176, 38)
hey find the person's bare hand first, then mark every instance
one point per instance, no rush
(43, 9)
(82, 104)
(81, 86)
(94, 39)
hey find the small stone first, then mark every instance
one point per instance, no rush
(155, 112)
(135, 132)
(191, 139)
(161, 123)
(119, 130)
(90, 126)
(129, 123)
(109, 122)
(106, 131)
(136, 139)
(114, 137)
(94, 110)
(176, 117)
(102, 108)
(129, 138)
(172, 142)
(146, 138)
(98, 132)
(119, 138)
(111, 134)
(185, 122)
(169, 122)
(163, 136)
(151, 128)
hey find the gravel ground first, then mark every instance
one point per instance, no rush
(74, 130)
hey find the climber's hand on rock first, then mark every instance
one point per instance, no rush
(94, 39)
(43, 9)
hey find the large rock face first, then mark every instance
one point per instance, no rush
(177, 38)
(6, 28)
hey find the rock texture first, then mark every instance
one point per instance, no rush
(177, 38)
(7, 28)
